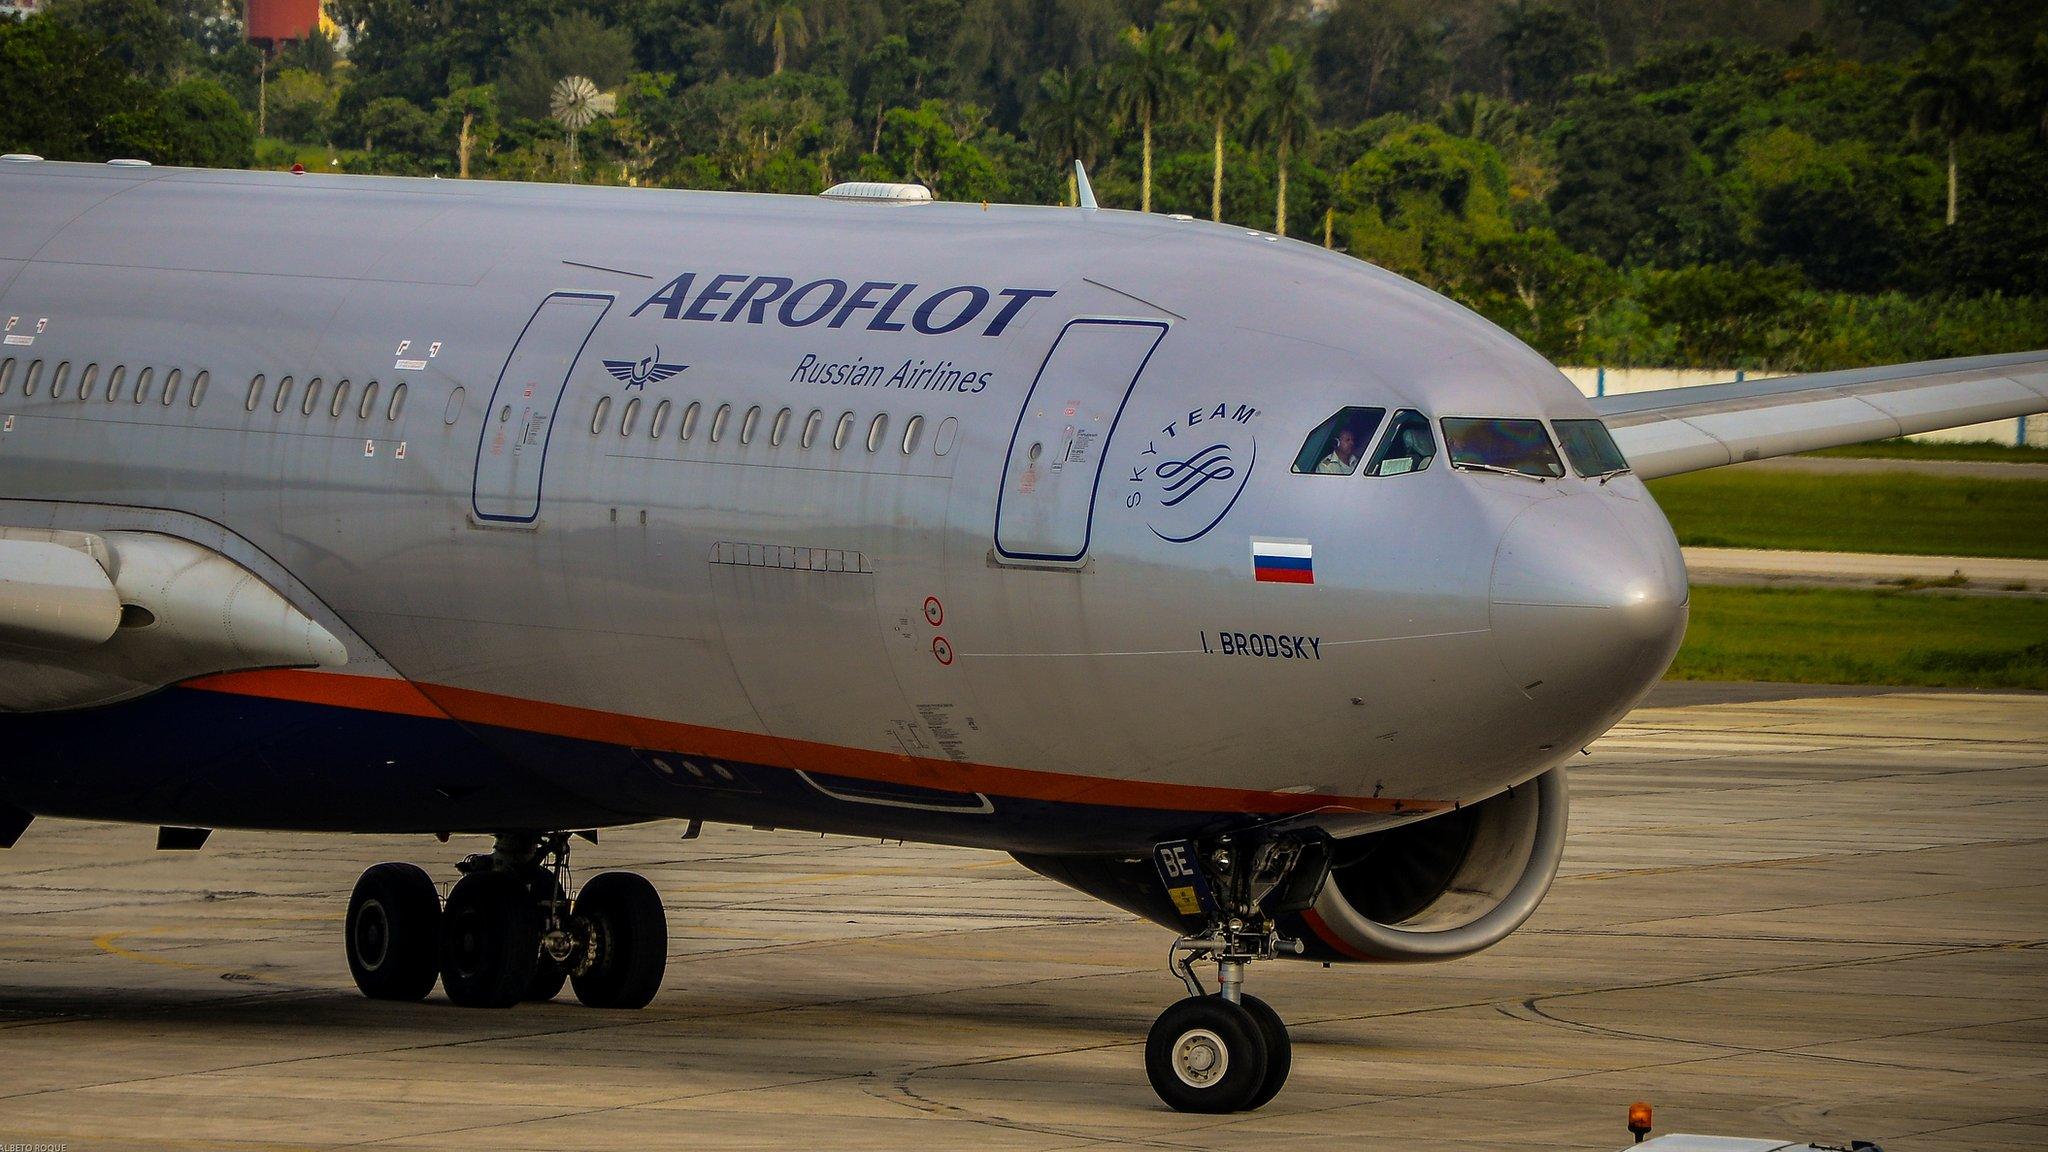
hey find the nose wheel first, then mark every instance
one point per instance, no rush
(1229, 1051)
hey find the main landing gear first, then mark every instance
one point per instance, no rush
(1229, 1052)
(509, 931)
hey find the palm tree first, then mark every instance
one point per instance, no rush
(1283, 111)
(780, 23)
(1066, 122)
(1144, 84)
(1225, 83)
(1952, 93)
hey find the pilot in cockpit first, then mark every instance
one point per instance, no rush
(1343, 457)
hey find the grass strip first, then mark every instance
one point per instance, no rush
(1890, 512)
(1836, 636)
(1974, 451)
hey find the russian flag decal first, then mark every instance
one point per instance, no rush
(1283, 561)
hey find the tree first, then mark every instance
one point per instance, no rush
(143, 34)
(69, 97)
(1066, 122)
(1283, 112)
(1723, 312)
(1225, 84)
(575, 44)
(777, 23)
(299, 106)
(1535, 286)
(1951, 92)
(204, 127)
(472, 113)
(1144, 84)
(1620, 165)
(1544, 47)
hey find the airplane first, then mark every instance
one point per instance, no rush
(1235, 582)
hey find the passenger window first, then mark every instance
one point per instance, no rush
(718, 420)
(369, 403)
(1334, 448)
(60, 380)
(1409, 446)
(142, 380)
(911, 432)
(1590, 448)
(597, 418)
(199, 384)
(171, 380)
(1520, 447)
(312, 401)
(659, 424)
(284, 395)
(89, 382)
(690, 419)
(397, 405)
(876, 427)
(6, 374)
(115, 379)
(255, 396)
(747, 425)
(631, 418)
(340, 401)
(840, 433)
(812, 423)
(780, 430)
(35, 373)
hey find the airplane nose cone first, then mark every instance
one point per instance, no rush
(1588, 601)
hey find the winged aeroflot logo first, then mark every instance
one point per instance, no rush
(641, 373)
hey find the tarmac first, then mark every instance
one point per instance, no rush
(1785, 911)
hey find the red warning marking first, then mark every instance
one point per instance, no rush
(934, 611)
(942, 650)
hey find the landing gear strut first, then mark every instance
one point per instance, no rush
(1229, 1052)
(509, 932)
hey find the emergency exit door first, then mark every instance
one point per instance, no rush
(511, 454)
(1046, 508)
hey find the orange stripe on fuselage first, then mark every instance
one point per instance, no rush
(391, 695)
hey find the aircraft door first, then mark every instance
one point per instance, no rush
(1046, 506)
(512, 449)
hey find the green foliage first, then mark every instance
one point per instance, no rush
(1904, 513)
(1760, 184)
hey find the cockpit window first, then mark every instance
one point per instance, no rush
(1409, 446)
(1336, 445)
(1494, 445)
(1590, 448)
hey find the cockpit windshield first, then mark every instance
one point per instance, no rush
(1336, 445)
(1409, 446)
(1590, 448)
(1496, 445)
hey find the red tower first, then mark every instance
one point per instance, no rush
(275, 21)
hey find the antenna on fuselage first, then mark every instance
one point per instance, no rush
(1082, 188)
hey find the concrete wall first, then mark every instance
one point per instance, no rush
(1620, 381)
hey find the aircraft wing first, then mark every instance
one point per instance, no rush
(1675, 430)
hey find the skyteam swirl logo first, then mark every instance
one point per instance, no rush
(1190, 473)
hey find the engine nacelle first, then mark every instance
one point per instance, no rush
(1436, 889)
(1444, 887)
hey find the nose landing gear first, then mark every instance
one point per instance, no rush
(509, 932)
(1229, 1052)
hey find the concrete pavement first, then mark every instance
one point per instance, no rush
(1782, 913)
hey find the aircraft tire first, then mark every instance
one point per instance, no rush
(548, 978)
(393, 932)
(490, 941)
(628, 941)
(1279, 1050)
(1206, 1054)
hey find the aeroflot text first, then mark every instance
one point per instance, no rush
(884, 305)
